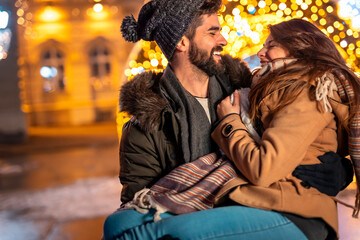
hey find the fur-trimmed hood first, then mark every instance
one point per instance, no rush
(141, 96)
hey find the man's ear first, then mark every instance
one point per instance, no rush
(183, 44)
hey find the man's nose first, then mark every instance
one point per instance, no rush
(221, 40)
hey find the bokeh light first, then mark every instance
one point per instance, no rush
(244, 25)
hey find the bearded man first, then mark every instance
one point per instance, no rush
(173, 111)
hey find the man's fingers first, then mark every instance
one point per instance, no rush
(236, 98)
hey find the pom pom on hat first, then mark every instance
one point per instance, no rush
(162, 21)
(129, 29)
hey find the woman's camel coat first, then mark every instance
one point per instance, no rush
(296, 135)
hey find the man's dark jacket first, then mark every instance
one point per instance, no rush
(150, 146)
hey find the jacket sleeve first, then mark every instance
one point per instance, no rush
(284, 144)
(139, 164)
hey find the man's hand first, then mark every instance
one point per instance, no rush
(330, 177)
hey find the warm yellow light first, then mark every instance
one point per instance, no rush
(351, 46)
(336, 38)
(356, 35)
(349, 32)
(279, 13)
(20, 12)
(96, 14)
(273, 7)
(75, 12)
(259, 27)
(322, 21)
(236, 11)
(21, 21)
(304, 6)
(325, 32)
(134, 71)
(322, 12)
(314, 9)
(343, 44)
(154, 62)
(28, 16)
(243, 2)
(262, 11)
(300, 14)
(342, 35)
(50, 14)
(294, 7)
(132, 63)
(98, 7)
(318, 2)
(237, 45)
(225, 29)
(330, 29)
(358, 51)
(164, 62)
(262, 4)
(282, 6)
(287, 11)
(329, 9)
(128, 72)
(228, 18)
(314, 17)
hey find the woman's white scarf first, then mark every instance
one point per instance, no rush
(244, 92)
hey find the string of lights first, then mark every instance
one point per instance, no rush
(244, 27)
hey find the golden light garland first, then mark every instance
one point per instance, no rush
(244, 26)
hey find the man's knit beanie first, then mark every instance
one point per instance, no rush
(162, 21)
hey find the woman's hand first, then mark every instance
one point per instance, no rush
(226, 107)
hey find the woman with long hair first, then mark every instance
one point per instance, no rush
(304, 102)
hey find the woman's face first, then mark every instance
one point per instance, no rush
(272, 50)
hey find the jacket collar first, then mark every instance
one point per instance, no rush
(142, 98)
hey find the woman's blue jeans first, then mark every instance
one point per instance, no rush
(230, 223)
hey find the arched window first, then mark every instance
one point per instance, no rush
(52, 70)
(100, 65)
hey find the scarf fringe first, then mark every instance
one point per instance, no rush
(244, 114)
(357, 205)
(143, 202)
(324, 89)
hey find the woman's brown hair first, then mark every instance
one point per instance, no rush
(316, 54)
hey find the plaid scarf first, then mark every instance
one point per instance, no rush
(346, 93)
(188, 188)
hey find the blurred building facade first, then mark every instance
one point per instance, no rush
(71, 59)
(12, 119)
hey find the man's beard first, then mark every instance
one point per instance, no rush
(203, 61)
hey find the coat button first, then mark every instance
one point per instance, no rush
(228, 129)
